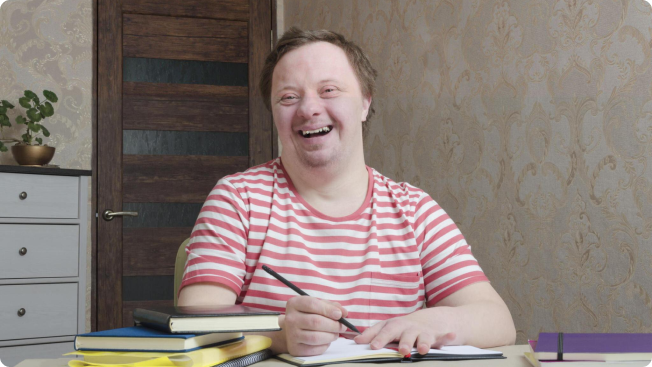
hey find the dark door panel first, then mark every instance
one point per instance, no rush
(178, 109)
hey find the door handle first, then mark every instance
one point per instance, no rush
(109, 214)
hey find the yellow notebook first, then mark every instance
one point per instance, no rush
(205, 357)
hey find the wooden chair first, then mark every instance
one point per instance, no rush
(179, 265)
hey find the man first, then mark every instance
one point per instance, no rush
(364, 247)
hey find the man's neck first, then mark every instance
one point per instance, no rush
(336, 190)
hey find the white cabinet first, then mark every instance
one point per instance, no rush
(43, 230)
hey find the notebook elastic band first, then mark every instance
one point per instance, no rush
(560, 347)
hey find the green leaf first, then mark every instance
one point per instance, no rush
(20, 120)
(4, 121)
(34, 115)
(39, 140)
(34, 127)
(50, 96)
(24, 101)
(46, 132)
(46, 109)
(6, 103)
(3, 148)
(3, 110)
(25, 138)
(31, 95)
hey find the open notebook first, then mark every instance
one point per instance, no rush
(346, 351)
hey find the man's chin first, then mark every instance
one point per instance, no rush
(317, 160)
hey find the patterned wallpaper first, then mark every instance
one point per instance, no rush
(530, 122)
(48, 45)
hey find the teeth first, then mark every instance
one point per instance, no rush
(324, 129)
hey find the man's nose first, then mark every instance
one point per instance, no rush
(310, 106)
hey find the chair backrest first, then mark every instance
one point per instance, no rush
(179, 265)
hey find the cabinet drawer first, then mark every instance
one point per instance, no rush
(50, 310)
(50, 251)
(11, 356)
(46, 196)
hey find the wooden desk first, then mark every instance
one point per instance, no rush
(513, 353)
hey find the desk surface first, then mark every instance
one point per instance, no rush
(513, 353)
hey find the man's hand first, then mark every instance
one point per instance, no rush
(310, 325)
(408, 331)
(474, 315)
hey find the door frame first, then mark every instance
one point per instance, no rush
(106, 260)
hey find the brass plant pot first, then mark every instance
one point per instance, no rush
(32, 155)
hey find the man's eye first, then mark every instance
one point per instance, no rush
(285, 98)
(329, 91)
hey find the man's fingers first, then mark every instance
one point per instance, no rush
(314, 305)
(313, 322)
(367, 336)
(406, 343)
(390, 332)
(424, 342)
(345, 313)
(443, 339)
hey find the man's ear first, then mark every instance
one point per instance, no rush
(366, 102)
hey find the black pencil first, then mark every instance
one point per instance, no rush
(271, 272)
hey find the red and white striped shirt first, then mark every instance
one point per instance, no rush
(397, 251)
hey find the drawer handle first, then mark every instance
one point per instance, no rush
(21, 312)
(22, 251)
(23, 195)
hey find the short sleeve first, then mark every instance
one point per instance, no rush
(217, 247)
(446, 258)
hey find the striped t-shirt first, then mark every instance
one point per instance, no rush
(397, 251)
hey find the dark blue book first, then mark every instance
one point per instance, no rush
(143, 339)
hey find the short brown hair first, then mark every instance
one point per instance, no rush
(295, 38)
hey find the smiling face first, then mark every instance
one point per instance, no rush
(318, 106)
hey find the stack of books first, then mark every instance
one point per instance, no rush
(201, 336)
(590, 349)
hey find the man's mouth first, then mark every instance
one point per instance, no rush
(317, 132)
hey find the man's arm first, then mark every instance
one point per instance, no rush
(206, 294)
(475, 315)
(479, 315)
(311, 323)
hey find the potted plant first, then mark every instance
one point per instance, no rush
(31, 151)
(4, 122)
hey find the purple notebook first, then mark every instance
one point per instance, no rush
(596, 346)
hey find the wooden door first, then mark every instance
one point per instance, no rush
(177, 108)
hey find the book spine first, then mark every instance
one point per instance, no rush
(152, 319)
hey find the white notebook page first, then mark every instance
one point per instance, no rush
(346, 348)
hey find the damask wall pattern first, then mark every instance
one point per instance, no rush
(47, 44)
(530, 122)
